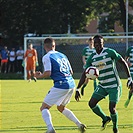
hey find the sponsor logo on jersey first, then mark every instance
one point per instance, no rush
(100, 65)
(30, 55)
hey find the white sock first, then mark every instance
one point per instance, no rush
(70, 115)
(47, 118)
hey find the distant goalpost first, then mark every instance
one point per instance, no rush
(77, 40)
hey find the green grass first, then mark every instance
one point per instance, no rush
(20, 102)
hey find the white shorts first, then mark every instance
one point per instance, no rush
(58, 96)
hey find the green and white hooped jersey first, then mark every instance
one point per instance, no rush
(106, 64)
(87, 52)
(129, 54)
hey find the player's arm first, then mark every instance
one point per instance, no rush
(36, 58)
(81, 82)
(45, 74)
(83, 59)
(127, 60)
(125, 65)
(126, 68)
(127, 56)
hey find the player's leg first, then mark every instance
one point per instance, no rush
(71, 116)
(29, 75)
(33, 72)
(97, 96)
(114, 97)
(114, 116)
(47, 117)
(130, 93)
(1, 68)
(28, 70)
(50, 99)
(5, 63)
(68, 113)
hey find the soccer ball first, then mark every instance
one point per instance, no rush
(92, 72)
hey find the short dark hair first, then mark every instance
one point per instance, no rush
(91, 38)
(48, 40)
(98, 36)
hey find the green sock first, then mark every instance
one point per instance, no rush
(114, 118)
(129, 95)
(98, 111)
(95, 84)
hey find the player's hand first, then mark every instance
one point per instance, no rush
(130, 83)
(23, 63)
(37, 73)
(37, 64)
(77, 95)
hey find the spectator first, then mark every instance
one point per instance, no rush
(12, 57)
(19, 60)
(4, 59)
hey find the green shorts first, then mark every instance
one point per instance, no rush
(113, 93)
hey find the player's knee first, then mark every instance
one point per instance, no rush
(91, 104)
(112, 110)
(60, 108)
(41, 108)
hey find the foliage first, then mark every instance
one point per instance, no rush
(19, 17)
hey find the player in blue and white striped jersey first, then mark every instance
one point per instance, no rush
(57, 66)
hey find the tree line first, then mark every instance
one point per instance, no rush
(19, 17)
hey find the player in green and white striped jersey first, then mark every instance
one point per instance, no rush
(109, 82)
(87, 51)
(129, 59)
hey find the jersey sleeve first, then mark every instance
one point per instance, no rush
(83, 52)
(46, 63)
(89, 61)
(113, 54)
(128, 52)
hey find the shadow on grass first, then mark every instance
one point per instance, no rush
(62, 128)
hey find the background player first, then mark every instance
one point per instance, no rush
(31, 59)
(87, 51)
(57, 66)
(109, 82)
(129, 59)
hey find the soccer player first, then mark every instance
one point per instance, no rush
(87, 51)
(31, 62)
(109, 82)
(57, 66)
(129, 59)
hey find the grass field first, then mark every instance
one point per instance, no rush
(20, 102)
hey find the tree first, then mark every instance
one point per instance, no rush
(116, 10)
(19, 17)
